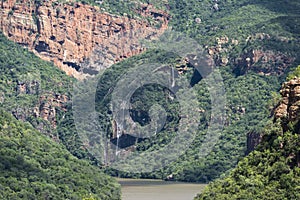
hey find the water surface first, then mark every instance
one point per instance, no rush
(144, 189)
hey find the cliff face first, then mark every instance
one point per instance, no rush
(289, 108)
(46, 109)
(277, 158)
(262, 61)
(80, 39)
(253, 139)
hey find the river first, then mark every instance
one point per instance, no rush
(145, 189)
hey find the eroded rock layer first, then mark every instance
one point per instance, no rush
(80, 39)
(288, 109)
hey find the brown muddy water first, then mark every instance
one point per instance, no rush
(145, 189)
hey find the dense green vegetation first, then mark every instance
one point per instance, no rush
(19, 68)
(270, 172)
(126, 8)
(236, 19)
(248, 93)
(33, 166)
(39, 79)
(240, 20)
(245, 89)
(295, 73)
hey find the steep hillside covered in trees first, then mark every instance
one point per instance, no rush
(272, 171)
(253, 44)
(33, 166)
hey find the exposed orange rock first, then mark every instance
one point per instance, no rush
(72, 35)
(265, 62)
(289, 108)
(47, 106)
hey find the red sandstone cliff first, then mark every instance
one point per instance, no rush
(80, 39)
(288, 110)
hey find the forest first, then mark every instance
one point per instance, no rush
(272, 168)
(254, 46)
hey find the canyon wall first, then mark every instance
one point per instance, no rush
(266, 62)
(80, 39)
(288, 110)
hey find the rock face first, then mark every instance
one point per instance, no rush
(46, 109)
(253, 139)
(288, 109)
(80, 39)
(264, 62)
(47, 106)
(28, 87)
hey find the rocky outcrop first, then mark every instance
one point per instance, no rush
(219, 51)
(28, 87)
(43, 114)
(46, 109)
(288, 109)
(253, 139)
(80, 39)
(264, 62)
(47, 106)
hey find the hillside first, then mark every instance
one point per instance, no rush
(32, 89)
(230, 147)
(253, 44)
(36, 165)
(272, 171)
(33, 166)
